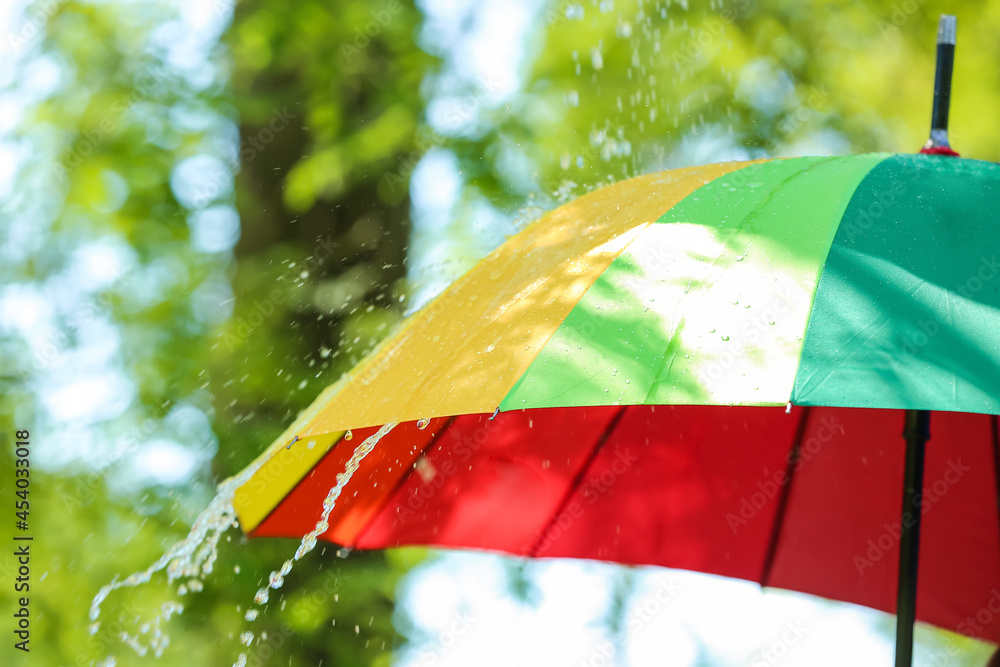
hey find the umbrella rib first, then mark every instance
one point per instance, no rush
(577, 478)
(402, 480)
(779, 516)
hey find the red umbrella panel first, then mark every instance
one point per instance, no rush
(806, 500)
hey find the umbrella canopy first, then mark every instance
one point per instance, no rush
(703, 368)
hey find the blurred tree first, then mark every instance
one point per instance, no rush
(120, 269)
(206, 211)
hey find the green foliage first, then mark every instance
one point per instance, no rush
(328, 102)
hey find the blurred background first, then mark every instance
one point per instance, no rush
(210, 210)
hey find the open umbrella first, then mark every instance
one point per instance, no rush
(706, 368)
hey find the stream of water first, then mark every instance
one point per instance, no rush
(193, 558)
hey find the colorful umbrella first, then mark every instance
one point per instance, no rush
(642, 344)
(705, 368)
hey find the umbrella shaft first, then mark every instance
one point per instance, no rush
(942, 83)
(916, 432)
(942, 86)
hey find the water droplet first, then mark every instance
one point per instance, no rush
(251, 615)
(490, 348)
(307, 545)
(262, 596)
(348, 435)
(94, 627)
(596, 59)
(241, 661)
(275, 580)
(246, 638)
(788, 409)
(422, 423)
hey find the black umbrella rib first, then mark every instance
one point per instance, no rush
(779, 515)
(577, 479)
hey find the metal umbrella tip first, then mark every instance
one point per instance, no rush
(947, 27)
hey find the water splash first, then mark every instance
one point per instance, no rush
(192, 558)
(277, 578)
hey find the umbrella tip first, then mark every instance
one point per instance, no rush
(947, 27)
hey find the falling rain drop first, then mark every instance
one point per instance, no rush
(251, 615)
(246, 638)
(596, 59)
(262, 596)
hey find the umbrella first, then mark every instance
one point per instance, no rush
(706, 368)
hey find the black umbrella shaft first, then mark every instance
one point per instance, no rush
(916, 432)
(947, 27)
(942, 86)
